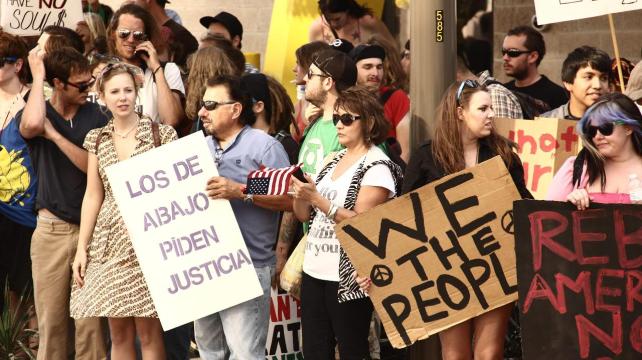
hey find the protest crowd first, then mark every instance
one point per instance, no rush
(122, 82)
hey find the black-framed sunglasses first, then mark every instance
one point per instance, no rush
(83, 86)
(473, 84)
(311, 74)
(605, 129)
(346, 119)
(7, 60)
(513, 53)
(211, 105)
(138, 35)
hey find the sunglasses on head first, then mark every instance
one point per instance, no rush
(473, 84)
(513, 53)
(7, 60)
(605, 129)
(83, 86)
(210, 105)
(346, 119)
(138, 35)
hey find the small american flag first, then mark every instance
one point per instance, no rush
(266, 181)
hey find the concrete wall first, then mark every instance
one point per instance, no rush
(254, 15)
(562, 38)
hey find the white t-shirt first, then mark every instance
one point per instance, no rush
(147, 101)
(321, 259)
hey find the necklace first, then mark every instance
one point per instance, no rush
(6, 117)
(124, 136)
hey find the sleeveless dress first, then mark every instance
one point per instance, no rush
(114, 284)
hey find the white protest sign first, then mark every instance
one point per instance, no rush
(284, 340)
(30, 17)
(552, 11)
(189, 247)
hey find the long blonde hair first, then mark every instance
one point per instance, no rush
(205, 63)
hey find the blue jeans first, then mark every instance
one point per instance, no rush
(239, 332)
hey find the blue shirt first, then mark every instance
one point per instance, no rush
(18, 181)
(246, 152)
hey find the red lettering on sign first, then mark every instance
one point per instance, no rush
(580, 237)
(585, 328)
(602, 290)
(548, 143)
(581, 285)
(539, 289)
(569, 137)
(545, 238)
(624, 239)
(633, 289)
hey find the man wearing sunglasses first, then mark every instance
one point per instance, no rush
(237, 149)
(183, 41)
(585, 74)
(331, 72)
(133, 37)
(55, 131)
(522, 51)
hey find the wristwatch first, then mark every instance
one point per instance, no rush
(248, 199)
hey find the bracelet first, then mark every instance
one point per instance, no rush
(154, 72)
(332, 211)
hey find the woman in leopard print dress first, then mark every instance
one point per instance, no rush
(108, 281)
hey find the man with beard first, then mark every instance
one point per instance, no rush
(522, 52)
(330, 73)
(396, 104)
(585, 74)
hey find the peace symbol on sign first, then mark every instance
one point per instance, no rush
(507, 222)
(381, 275)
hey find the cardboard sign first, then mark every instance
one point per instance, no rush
(552, 11)
(440, 255)
(580, 280)
(189, 247)
(284, 332)
(30, 17)
(543, 146)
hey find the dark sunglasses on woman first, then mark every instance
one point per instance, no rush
(346, 119)
(138, 35)
(605, 129)
(7, 60)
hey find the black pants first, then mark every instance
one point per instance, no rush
(15, 259)
(324, 319)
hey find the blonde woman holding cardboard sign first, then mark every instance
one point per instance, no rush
(464, 136)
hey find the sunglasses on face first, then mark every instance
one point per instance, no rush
(346, 119)
(138, 35)
(466, 83)
(7, 60)
(212, 105)
(605, 129)
(83, 86)
(311, 74)
(513, 53)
